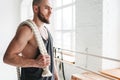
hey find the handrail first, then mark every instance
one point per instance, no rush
(117, 60)
(63, 52)
(66, 53)
(73, 64)
(64, 61)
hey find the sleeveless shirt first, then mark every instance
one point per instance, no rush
(32, 73)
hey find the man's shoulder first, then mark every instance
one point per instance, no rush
(24, 30)
(24, 26)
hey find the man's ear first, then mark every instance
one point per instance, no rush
(35, 8)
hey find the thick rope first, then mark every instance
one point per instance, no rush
(18, 72)
(37, 36)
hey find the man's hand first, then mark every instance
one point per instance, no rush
(43, 61)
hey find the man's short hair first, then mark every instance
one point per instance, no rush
(36, 2)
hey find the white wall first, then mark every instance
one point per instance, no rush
(89, 33)
(111, 32)
(9, 19)
(97, 31)
(88, 36)
(26, 10)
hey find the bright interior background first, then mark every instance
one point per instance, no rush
(91, 25)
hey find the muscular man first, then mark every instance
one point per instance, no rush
(31, 61)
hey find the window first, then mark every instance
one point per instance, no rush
(64, 24)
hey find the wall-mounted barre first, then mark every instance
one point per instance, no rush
(62, 51)
(71, 63)
(117, 60)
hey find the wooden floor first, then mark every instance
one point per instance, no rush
(111, 74)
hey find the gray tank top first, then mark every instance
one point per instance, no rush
(31, 73)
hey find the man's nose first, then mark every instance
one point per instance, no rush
(50, 11)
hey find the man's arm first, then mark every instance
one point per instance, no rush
(15, 48)
(23, 35)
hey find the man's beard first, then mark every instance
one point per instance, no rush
(42, 17)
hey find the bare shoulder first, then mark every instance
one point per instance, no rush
(18, 43)
(24, 31)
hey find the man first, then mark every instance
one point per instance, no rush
(24, 43)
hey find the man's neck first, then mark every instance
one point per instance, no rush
(39, 23)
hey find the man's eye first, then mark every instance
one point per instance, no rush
(46, 7)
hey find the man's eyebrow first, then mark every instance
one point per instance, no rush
(48, 6)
